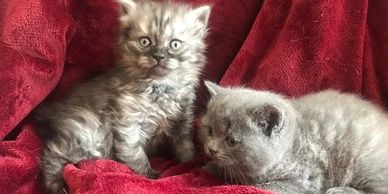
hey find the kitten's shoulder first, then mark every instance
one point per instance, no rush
(338, 106)
(329, 94)
(331, 98)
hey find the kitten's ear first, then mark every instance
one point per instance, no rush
(268, 118)
(126, 6)
(213, 88)
(202, 14)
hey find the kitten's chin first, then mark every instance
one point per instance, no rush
(160, 71)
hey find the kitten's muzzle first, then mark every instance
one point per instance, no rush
(210, 151)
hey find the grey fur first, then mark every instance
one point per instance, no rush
(145, 101)
(326, 142)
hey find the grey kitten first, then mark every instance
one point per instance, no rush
(327, 142)
(144, 102)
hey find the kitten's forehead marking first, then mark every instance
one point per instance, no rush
(161, 19)
(164, 21)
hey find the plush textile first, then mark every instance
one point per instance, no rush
(292, 47)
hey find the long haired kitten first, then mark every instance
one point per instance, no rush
(327, 142)
(145, 101)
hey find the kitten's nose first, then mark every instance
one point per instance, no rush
(158, 56)
(212, 151)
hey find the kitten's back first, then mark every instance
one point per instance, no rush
(353, 133)
(343, 109)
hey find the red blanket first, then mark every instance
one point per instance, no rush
(292, 47)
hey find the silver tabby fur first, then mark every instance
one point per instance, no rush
(144, 102)
(326, 142)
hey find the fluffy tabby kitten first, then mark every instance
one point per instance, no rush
(144, 102)
(325, 142)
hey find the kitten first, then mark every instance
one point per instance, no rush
(327, 142)
(144, 102)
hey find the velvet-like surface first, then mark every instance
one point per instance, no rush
(292, 47)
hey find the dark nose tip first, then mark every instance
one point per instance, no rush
(158, 56)
(212, 151)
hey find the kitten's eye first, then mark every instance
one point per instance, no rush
(176, 44)
(210, 131)
(231, 141)
(144, 42)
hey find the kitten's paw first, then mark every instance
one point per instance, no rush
(342, 190)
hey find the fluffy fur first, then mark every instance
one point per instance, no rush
(327, 142)
(145, 101)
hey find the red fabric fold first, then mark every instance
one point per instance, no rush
(292, 47)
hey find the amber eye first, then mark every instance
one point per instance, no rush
(210, 131)
(231, 141)
(176, 44)
(144, 42)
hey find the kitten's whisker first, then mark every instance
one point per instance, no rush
(219, 172)
(243, 179)
(225, 178)
(230, 175)
(233, 175)
(236, 175)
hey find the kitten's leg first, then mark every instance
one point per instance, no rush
(184, 146)
(75, 138)
(60, 151)
(343, 190)
(130, 151)
(52, 169)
